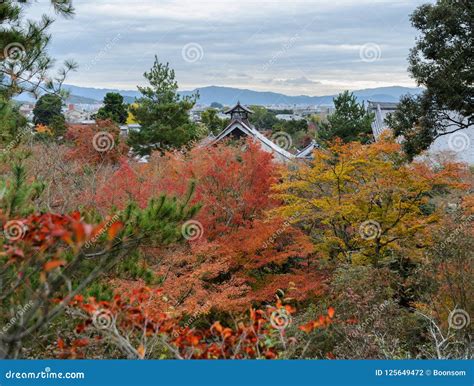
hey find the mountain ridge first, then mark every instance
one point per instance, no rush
(230, 95)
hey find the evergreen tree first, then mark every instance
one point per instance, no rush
(213, 123)
(162, 113)
(113, 109)
(262, 118)
(48, 112)
(441, 61)
(24, 62)
(11, 124)
(350, 121)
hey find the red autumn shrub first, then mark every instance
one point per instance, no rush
(96, 144)
(232, 184)
(133, 324)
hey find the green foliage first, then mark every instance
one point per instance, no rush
(48, 112)
(441, 61)
(100, 291)
(292, 127)
(159, 221)
(24, 61)
(113, 108)
(133, 268)
(350, 121)
(11, 123)
(162, 113)
(213, 123)
(262, 118)
(17, 195)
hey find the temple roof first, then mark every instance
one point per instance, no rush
(307, 151)
(238, 107)
(251, 132)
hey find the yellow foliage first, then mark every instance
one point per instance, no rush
(363, 202)
(131, 118)
(43, 129)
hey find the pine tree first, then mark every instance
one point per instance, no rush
(114, 108)
(350, 121)
(48, 112)
(24, 62)
(162, 113)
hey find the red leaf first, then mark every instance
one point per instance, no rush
(60, 344)
(80, 342)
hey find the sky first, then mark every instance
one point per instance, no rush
(293, 47)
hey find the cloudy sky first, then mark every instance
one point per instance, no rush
(295, 47)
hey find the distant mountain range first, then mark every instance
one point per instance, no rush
(229, 95)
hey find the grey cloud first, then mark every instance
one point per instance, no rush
(244, 43)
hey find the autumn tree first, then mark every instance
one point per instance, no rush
(361, 204)
(234, 256)
(232, 184)
(162, 113)
(99, 143)
(48, 258)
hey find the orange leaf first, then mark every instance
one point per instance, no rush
(308, 327)
(50, 265)
(114, 229)
(194, 340)
(331, 312)
(217, 326)
(141, 351)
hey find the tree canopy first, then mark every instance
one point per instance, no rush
(441, 61)
(349, 122)
(48, 112)
(162, 113)
(113, 109)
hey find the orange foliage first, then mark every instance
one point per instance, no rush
(238, 257)
(134, 316)
(96, 144)
(232, 184)
(242, 267)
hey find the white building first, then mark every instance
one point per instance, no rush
(459, 144)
